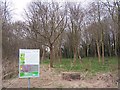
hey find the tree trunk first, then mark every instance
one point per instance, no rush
(75, 55)
(102, 42)
(71, 76)
(102, 52)
(115, 46)
(43, 55)
(109, 48)
(95, 52)
(79, 56)
(98, 51)
(60, 56)
(118, 34)
(51, 56)
(87, 50)
(54, 51)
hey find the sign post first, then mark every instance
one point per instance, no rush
(29, 64)
(28, 83)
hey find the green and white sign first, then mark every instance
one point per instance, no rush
(29, 63)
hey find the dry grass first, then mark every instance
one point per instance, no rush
(49, 78)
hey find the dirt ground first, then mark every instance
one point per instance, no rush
(49, 78)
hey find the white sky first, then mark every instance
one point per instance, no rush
(20, 5)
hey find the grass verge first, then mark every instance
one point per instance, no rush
(88, 64)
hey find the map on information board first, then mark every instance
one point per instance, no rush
(29, 63)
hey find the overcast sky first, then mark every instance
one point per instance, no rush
(18, 8)
(20, 5)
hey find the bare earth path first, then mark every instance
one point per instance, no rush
(52, 79)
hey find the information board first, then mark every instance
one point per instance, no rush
(29, 63)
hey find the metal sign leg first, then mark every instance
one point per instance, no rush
(28, 83)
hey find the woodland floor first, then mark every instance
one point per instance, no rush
(50, 78)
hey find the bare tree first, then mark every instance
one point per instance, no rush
(48, 22)
(93, 19)
(113, 9)
(118, 45)
(76, 16)
(6, 21)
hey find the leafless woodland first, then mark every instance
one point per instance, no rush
(61, 30)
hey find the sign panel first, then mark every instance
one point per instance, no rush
(29, 63)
